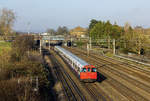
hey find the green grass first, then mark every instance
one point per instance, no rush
(109, 54)
(5, 47)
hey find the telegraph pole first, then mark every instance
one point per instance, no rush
(37, 83)
(49, 44)
(88, 51)
(71, 41)
(90, 43)
(28, 27)
(40, 46)
(28, 34)
(114, 47)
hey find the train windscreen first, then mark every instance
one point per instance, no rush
(89, 69)
(93, 69)
(83, 70)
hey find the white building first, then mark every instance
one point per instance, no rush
(45, 34)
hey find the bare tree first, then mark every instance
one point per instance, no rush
(127, 26)
(140, 40)
(51, 31)
(62, 30)
(7, 19)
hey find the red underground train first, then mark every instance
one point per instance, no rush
(85, 71)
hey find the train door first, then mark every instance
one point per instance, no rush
(93, 74)
(83, 74)
(88, 73)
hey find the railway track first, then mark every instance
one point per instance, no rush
(96, 96)
(130, 93)
(133, 73)
(132, 70)
(111, 60)
(71, 90)
(124, 90)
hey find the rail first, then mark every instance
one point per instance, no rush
(62, 74)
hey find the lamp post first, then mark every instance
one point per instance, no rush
(114, 46)
(28, 24)
(28, 34)
(49, 43)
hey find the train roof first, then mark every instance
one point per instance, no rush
(73, 57)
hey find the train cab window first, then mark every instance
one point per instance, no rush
(93, 69)
(84, 70)
(89, 70)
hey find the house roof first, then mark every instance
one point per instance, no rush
(78, 29)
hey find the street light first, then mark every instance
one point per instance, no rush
(28, 24)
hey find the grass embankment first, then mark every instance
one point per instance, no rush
(5, 47)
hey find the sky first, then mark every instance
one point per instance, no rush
(39, 15)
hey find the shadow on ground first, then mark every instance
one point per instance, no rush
(100, 77)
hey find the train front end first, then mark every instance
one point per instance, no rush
(88, 73)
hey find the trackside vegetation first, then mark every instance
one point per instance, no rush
(128, 39)
(5, 47)
(23, 76)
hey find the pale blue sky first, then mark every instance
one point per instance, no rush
(43, 14)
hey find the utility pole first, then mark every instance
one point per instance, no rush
(37, 83)
(90, 43)
(88, 51)
(109, 42)
(71, 41)
(49, 44)
(28, 27)
(40, 46)
(28, 34)
(114, 47)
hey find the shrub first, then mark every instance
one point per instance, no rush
(11, 90)
(20, 46)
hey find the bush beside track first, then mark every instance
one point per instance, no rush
(18, 72)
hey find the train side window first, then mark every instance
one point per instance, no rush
(93, 69)
(89, 70)
(84, 70)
